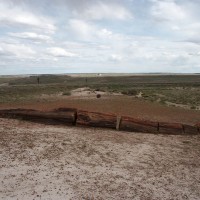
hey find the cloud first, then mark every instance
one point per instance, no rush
(116, 58)
(31, 36)
(100, 35)
(99, 10)
(12, 15)
(88, 31)
(19, 51)
(59, 52)
(179, 18)
(81, 28)
(168, 10)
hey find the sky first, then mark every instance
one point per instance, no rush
(99, 36)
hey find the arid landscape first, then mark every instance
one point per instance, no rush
(66, 162)
(99, 100)
(58, 162)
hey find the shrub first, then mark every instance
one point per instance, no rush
(193, 107)
(98, 96)
(66, 93)
(130, 92)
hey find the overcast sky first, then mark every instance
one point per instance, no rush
(70, 36)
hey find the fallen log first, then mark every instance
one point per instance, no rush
(65, 110)
(51, 117)
(95, 119)
(171, 128)
(193, 130)
(137, 125)
(198, 127)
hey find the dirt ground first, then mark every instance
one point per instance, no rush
(117, 104)
(57, 162)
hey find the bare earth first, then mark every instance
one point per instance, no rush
(58, 162)
(117, 104)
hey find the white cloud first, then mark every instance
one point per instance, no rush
(19, 51)
(104, 10)
(88, 31)
(11, 15)
(31, 36)
(178, 18)
(116, 58)
(81, 28)
(59, 52)
(168, 10)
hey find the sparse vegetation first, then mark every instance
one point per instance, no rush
(130, 92)
(68, 93)
(177, 89)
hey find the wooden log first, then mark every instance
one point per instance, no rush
(96, 119)
(170, 128)
(137, 125)
(188, 129)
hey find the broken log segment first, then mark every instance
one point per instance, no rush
(171, 128)
(137, 125)
(50, 117)
(198, 127)
(191, 130)
(95, 119)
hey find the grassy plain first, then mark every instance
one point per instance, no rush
(170, 90)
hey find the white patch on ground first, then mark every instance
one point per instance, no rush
(57, 162)
(86, 91)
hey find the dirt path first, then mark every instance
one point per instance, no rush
(121, 105)
(56, 162)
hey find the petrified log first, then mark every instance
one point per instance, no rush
(170, 128)
(188, 129)
(137, 125)
(198, 127)
(96, 119)
(65, 110)
(11, 112)
(39, 116)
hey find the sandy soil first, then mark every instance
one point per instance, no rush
(57, 162)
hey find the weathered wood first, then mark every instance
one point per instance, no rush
(137, 125)
(96, 119)
(170, 128)
(188, 129)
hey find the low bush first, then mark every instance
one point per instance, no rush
(66, 93)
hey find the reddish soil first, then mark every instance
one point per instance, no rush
(120, 105)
